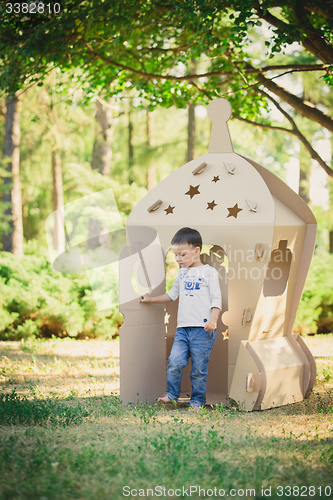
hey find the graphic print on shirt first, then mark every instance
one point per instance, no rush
(191, 283)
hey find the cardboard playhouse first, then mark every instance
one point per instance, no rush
(261, 236)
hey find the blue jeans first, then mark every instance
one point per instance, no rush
(196, 343)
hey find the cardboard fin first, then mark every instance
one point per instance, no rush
(312, 363)
(283, 370)
(246, 376)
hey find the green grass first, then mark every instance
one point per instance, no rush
(19, 410)
(65, 437)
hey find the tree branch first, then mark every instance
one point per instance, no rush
(250, 70)
(315, 36)
(313, 42)
(296, 132)
(262, 125)
(293, 131)
(170, 49)
(148, 76)
(307, 110)
(295, 67)
(317, 10)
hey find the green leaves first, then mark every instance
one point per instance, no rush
(150, 46)
(316, 311)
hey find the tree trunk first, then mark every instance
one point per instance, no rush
(191, 118)
(58, 203)
(130, 146)
(13, 240)
(151, 171)
(102, 150)
(191, 132)
(3, 107)
(304, 175)
(331, 242)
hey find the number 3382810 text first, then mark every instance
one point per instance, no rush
(32, 8)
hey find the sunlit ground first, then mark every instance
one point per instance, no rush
(71, 438)
(63, 367)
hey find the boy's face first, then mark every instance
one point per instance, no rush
(186, 255)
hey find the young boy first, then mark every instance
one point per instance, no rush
(197, 286)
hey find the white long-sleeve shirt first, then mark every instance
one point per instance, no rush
(198, 290)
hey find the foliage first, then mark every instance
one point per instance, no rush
(38, 301)
(148, 48)
(151, 45)
(47, 118)
(315, 312)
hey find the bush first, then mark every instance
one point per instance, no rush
(315, 312)
(37, 301)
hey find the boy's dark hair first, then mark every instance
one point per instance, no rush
(189, 236)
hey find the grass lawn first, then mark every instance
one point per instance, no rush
(64, 434)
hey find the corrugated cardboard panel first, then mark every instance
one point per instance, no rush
(142, 363)
(245, 368)
(283, 369)
(236, 335)
(312, 365)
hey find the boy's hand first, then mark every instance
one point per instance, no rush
(212, 322)
(145, 298)
(210, 325)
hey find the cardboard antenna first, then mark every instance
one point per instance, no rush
(219, 112)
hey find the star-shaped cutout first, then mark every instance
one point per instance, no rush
(193, 191)
(166, 318)
(169, 210)
(234, 211)
(216, 178)
(211, 205)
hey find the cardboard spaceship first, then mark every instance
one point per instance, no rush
(261, 238)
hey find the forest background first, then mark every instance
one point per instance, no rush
(101, 95)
